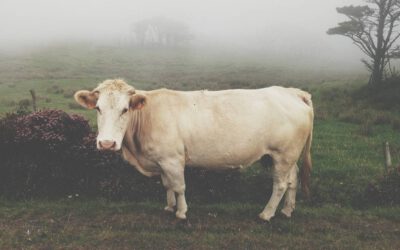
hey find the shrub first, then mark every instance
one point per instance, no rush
(385, 190)
(55, 89)
(36, 151)
(50, 129)
(24, 104)
(366, 128)
(396, 124)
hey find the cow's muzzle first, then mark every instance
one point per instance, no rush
(107, 145)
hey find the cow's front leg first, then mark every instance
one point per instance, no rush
(171, 200)
(173, 172)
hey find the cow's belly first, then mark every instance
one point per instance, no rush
(221, 163)
(216, 165)
(222, 156)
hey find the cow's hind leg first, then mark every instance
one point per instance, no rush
(280, 184)
(290, 197)
(171, 200)
(173, 172)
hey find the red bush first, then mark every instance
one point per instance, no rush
(51, 153)
(50, 129)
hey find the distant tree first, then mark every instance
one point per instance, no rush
(139, 30)
(374, 29)
(160, 31)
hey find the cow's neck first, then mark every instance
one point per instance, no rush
(133, 145)
(135, 131)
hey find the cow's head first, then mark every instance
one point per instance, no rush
(115, 101)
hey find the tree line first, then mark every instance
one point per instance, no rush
(160, 32)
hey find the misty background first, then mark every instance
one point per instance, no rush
(289, 31)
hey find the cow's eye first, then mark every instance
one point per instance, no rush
(124, 111)
(98, 109)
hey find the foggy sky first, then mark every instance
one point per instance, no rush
(278, 26)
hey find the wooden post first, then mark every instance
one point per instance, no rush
(33, 94)
(388, 158)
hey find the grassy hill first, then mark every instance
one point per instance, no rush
(72, 67)
(352, 124)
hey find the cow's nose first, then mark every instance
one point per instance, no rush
(107, 145)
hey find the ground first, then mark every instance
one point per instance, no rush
(79, 223)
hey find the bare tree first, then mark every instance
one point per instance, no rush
(374, 29)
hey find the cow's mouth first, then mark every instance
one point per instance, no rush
(107, 145)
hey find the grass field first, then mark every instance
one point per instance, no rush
(89, 224)
(346, 157)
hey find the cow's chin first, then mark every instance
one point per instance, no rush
(116, 149)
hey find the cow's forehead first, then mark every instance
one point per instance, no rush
(113, 99)
(114, 93)
(115, 85)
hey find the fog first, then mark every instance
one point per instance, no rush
(289, 29)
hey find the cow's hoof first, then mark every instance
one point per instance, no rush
(181, 216)
(265, 217)
(287, 212)
(169, 209)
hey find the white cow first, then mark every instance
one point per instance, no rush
(162, 131)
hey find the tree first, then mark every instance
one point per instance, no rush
(160, 32)
(374, 29)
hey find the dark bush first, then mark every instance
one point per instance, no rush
(55, 89)
(50, 153)
(385, 190)
(24, 104)
(50, 130)
(396, 124)
(366, 128)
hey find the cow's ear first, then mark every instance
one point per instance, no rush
(137, 101)
(87, 99)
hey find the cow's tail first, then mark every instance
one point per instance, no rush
(306, 169)
(307, 164)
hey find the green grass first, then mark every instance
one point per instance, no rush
(83, 224)
(345, 161)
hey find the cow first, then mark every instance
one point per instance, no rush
(160, 132)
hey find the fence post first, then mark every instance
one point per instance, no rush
(388, 158)
(33, 94)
